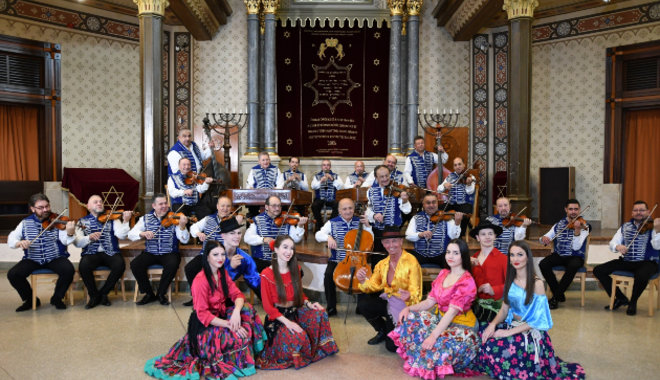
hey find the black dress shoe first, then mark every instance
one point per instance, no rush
(163, 300)
(331, 311)
(93, 302)
(105, 301)
(632, 309)
(357, 311)
(148, 298)
(553, 303)
(27, 305)
(618, 302)
(561, 298)
(389, 344)
(59, 305)
(377, 339)
(188, 303)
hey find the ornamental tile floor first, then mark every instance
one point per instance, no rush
(114, 342)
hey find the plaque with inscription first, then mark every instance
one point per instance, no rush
(257, 197)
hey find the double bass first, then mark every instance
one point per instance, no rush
(357, 244)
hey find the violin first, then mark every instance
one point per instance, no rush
(445, 216)
(394, 189)
(107, 215)
(467, 174)
(580, 222)
(516, 220)
(646, 227)
(172, 218)
(54, 221)
(193, 178)
(290, 218)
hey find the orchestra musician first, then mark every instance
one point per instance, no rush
(419, 163)
(510, 232)
(356, 178)
(325, 185)
(161, 247)
(431, 236)
(186, 194)
(384, 209)
(460, 186)
(100, 247)
(639, 254)
(292, 178)
(262, 176)
(43, 249)
(267, 227)
(333, 232)
(395, 174)
(570, 243)
(185, 147)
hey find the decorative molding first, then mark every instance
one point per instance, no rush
(252, 6)
(414, 7)
(595, 23)
(270, 6)
(480, 63)
(466, 11)
(204, 15)
(372, 14)
(520, 8)
(70, 19)
(165, 144)
(396, 7)
(152, 6)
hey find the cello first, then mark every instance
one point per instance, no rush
(357, 243)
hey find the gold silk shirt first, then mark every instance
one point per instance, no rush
(407, 276)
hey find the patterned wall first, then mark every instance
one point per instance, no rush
(500, 99)
(480, 100)
(182, 75)
(100, 96)
(568, 107)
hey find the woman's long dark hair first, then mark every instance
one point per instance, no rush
(208, 272)
(511, 272)
(295, 274)
(465, 254)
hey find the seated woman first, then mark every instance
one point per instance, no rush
(224, 332)
(520, 348)
(298, 330)
(435, 346)
(489, 271)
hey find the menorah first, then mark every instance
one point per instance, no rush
(226, 124)
(432, 123)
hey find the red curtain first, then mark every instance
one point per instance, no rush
(641, 178)
(19, 143)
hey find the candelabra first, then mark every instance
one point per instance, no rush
(226, 124)
(432, 123)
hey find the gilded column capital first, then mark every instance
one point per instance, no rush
(414, 7)
(520, 8)
(152, 6)
(270, 6)
(396, 7)
(252, 6)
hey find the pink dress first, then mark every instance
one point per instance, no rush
(456, 347)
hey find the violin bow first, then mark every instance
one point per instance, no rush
(572, 220)
(641, 226)
(160, 228)
(228, 216)
(112, 210)
(285, 217)
(51, 223)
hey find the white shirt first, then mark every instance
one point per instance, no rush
(469, 189)
(176, 193)
(325, 231)
(577, 242)
(404, 207)
(280, 181)
(134, 234)
(173, 158)
(15, 236)
(252, 238)
(618, 240)
(407, 169)
(316, 184)
(453, 230)
(121, 231)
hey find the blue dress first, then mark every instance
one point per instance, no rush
(528, 355)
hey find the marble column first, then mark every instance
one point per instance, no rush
(150, 16)
(270, 96)
(403, 70)
(520, 15)
(253, 76)
(394, 119)
(414, 8)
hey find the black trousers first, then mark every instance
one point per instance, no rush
(374, 310)
(140, 264)
(572, 264)
(378, 247)
(329, 286)
(196, 265)
(465, 208)
(436, 260)
(317, 206)
(643, 271)
(89, 263)
(18, 274)
(261, 264)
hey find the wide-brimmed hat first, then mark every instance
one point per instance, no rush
(483, 225)
(391, 232)
(229, 225)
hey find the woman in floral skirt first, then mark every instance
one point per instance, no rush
(224, 332)
(516, 344)
(433, 345)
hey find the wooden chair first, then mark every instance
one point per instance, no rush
(581, 273)
(625, 281)
(154, 272)
(474, 219)
(429, 273)
(45, 275)
(101, 274)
